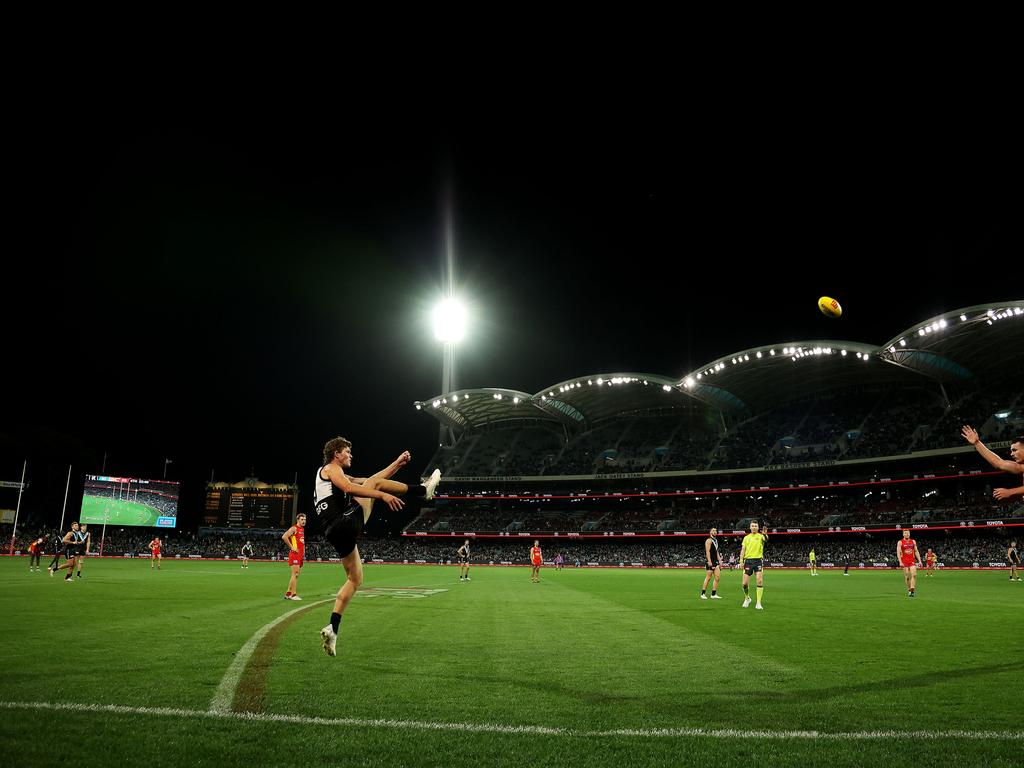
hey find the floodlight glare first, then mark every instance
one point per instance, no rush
(449, 321)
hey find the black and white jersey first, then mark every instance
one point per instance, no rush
(713, 552)
(1013, 555)
(247, 550)
(329, 501)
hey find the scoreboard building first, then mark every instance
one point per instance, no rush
(251, 504)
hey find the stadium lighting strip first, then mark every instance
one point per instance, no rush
(717, 491)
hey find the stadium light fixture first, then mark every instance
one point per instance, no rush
(450, 321)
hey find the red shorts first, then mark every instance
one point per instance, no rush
(294, 559)
(907, 562)
(156, 553)
(536, 562)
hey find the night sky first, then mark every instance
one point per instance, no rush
(232, 295)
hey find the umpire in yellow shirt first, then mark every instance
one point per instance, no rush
(751, 561)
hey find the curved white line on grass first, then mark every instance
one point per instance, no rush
(420, 725)
(225, 693)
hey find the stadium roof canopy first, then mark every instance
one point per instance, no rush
(951, 348)
(959, 345)
(576, 403)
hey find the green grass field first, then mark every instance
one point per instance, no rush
(591, 667)
(116, 512)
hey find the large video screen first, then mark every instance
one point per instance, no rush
(129, 501)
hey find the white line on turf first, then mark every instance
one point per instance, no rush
(707, 733)
(225, 694)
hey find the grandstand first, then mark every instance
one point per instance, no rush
(790, 414)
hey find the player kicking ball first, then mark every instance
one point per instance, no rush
(343, 504)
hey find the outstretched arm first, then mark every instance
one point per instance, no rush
(340, 480)
(971, 436)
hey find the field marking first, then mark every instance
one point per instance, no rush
(421, 725)
(225, 693)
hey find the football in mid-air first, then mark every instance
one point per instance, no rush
(829, 307)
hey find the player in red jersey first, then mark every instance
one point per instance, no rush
(156, 559)
(910, 559)
(929, 562)
(35, 550)
(535, 561)
(295, 538)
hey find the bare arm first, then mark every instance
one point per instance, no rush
(287, 538)
(707, 550)
(67, 538)
(971, 436)
(340, 480)
(390, 469)
(917, 555)
(1008, 493)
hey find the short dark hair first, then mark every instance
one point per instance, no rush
(334, 445)
(1017, 440)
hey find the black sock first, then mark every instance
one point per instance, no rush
(335, 621)
(417, 490)
(746, 591)
(703, 591)
(714, 592)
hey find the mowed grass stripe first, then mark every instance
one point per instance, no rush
(255, 648)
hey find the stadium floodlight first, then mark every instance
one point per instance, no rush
(963, 318)
(450, 321)
(666, 387)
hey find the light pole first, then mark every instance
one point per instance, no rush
(449, 329)
(449, 315)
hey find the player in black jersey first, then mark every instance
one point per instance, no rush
(1013, 555)
(58, 547)
(712, 564)
(342, 518)
(463, 554)
(70, 544)
(84, 540)
(246, 553)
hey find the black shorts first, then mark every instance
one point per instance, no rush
(70, 553)
(752, 565)
(344, 531)
(463, 561)
(712, 566)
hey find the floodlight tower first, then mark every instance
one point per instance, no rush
(449, 315)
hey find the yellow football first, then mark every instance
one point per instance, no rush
(829, 307)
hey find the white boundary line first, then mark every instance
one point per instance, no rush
(708, 733)
(225, 693)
